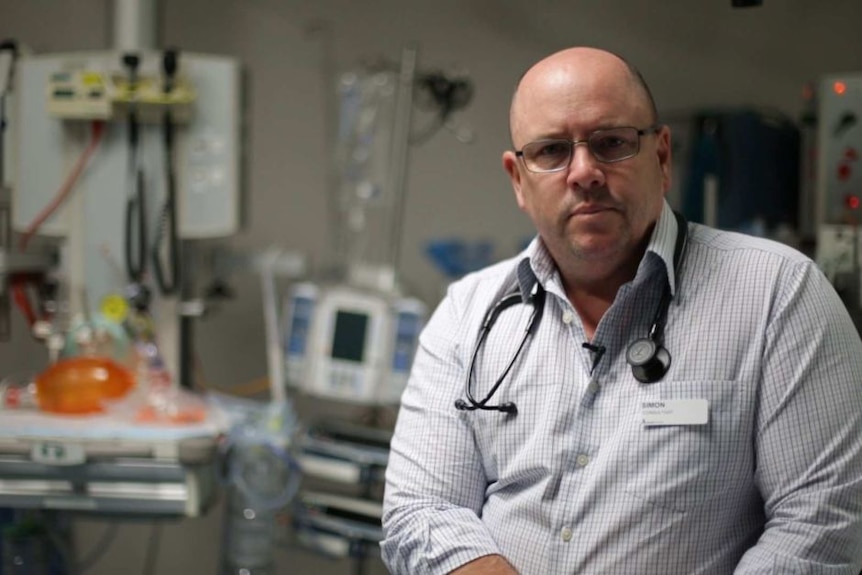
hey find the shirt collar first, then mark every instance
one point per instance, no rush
(536, 264)
(662, 243)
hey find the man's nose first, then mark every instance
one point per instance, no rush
(585, 171)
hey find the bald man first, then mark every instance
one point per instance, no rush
(632, 394)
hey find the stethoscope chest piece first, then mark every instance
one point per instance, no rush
(649, 360)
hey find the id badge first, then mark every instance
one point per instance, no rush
(657, 412)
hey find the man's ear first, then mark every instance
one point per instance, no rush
(663, 150)
(513, 168)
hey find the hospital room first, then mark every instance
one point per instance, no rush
(430, 286)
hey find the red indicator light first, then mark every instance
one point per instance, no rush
(839, 88)
(853, 202)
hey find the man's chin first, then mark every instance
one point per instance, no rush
(597, 250)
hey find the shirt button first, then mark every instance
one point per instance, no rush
(566, 534)
(568, 317)
(582, 460)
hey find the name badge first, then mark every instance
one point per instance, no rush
(675, 412)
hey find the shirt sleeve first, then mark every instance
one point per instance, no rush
(808, 442)
(435, 482)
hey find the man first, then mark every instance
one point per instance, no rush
(683, 401)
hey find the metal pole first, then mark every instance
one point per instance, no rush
(134, 25)
(401, 148)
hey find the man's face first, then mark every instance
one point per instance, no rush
(590, 212)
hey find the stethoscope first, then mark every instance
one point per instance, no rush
(647, 356)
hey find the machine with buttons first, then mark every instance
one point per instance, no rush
(837, 146)
(351, 344)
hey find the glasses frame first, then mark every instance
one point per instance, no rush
(649, 130)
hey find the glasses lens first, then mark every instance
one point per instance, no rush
(547, 155)
(615, 144)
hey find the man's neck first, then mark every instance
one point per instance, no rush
(592, 293)
(591, 304)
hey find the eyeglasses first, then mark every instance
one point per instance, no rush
(607, 146)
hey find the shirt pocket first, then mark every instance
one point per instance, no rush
(679, 467)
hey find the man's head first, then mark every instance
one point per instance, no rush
(595, 217)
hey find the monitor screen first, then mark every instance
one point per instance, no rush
(348, 341)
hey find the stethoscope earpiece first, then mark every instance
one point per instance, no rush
(508, 407)
(649, 361)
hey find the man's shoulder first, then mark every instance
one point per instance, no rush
(488, 282)
(736, 245)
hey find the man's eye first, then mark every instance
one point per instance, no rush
(555, 149)
(610, 143)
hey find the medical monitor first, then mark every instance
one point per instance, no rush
(349, 335)
(349, 343)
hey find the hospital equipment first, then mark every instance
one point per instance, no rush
(648, 358)
(346, 343)
(187, 150)
(836, 106)
(337, 525)
(726, 165)
(120, 156)
(262, 478)
(352, 338)
(373, 138)
(17, 270)
(840, 105)
(342, 522)
(78, 385)
(107, 465)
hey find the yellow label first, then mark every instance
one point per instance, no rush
(91, 79)
(114, 308)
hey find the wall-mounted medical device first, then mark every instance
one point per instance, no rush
(106, 93)
(838, 174)
(205, 102)
(839, 138)
(350, 344)
(59, 95)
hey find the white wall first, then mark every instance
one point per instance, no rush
(694, 54)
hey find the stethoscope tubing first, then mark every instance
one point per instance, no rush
(649, 370)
